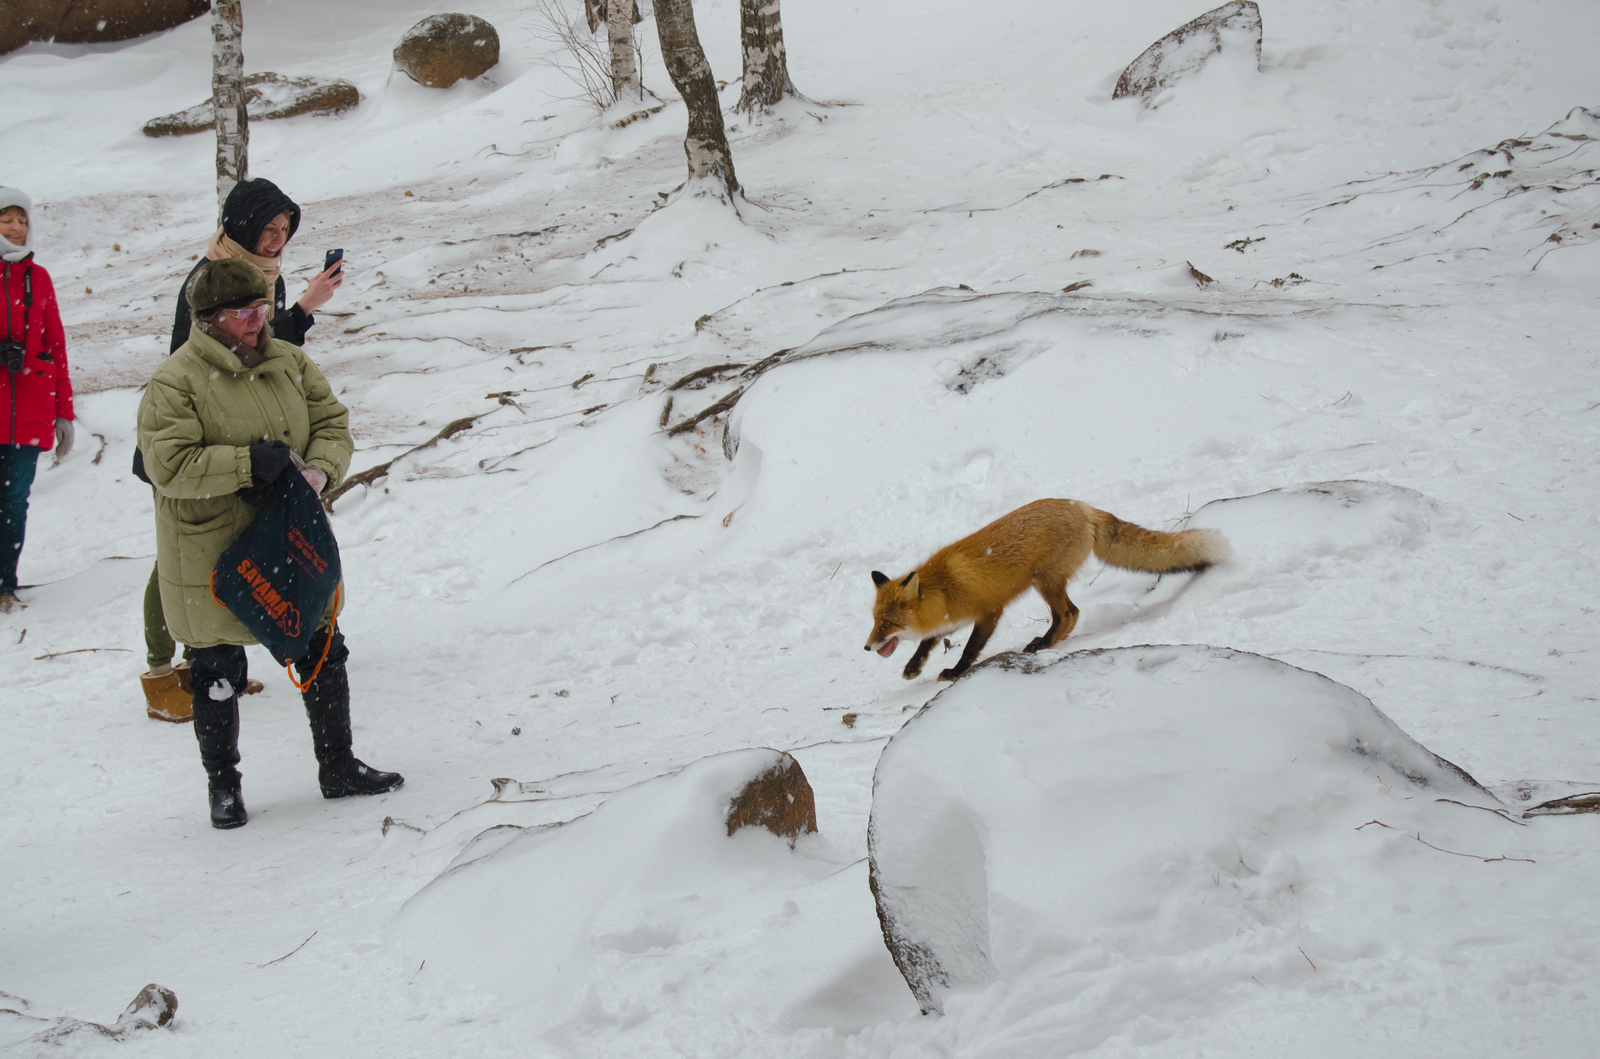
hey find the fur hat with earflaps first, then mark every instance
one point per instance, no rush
(226, 284)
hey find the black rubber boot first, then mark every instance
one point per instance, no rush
(227, 809)
(327, 700)
(216, 675)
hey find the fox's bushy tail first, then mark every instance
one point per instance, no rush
(1151, 551)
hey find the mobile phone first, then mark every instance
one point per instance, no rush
(332, 258)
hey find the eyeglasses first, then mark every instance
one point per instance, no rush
(254, 313)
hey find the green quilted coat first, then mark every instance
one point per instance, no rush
(200, 414)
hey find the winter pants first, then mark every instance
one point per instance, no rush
(218, 674)
(158, 643)
(17, 466)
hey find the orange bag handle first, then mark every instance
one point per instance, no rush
(333, 627)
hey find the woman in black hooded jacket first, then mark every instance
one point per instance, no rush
(258, 220)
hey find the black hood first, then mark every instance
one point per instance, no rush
(250, 205)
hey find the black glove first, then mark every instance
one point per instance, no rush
(268, 459)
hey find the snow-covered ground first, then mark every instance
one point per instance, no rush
(1395, 362)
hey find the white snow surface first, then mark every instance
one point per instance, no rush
(1070, 839)
(1395, 368)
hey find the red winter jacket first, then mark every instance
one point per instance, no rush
(34, 398)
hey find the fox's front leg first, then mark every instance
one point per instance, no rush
(914, 667)
(980, 635)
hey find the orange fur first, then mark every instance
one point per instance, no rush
(1041, 544)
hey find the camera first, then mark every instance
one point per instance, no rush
(12, 354)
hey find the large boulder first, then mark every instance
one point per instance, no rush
(267, 96)
(1190, 816)
(91, 21)
(443, 49)
(1234, 27)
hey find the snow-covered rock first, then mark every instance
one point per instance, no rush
(561, 923)
(1233, 27)
(443, 49)
(267, 96)
(1153, 804)
(777, 798)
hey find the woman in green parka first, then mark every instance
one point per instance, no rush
(220, 420)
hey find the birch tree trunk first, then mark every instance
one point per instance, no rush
(227, 94)
(766, 64)
(625, 83)
(706, 145)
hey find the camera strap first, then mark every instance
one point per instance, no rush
(27, 302)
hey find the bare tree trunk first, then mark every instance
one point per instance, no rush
(227, 95)
(706, 145)
(625, 83)
(766, 64)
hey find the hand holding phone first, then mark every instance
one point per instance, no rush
(324, 283)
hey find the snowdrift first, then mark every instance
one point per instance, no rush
(612, 918)
(1055, 842)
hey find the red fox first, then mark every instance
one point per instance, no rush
(1040, 544)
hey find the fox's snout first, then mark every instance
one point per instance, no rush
(884, 647)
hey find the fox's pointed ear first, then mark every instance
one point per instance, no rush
(912, 583)
(879, 579)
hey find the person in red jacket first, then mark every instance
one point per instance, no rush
(35, 390)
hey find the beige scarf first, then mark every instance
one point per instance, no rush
(221, 247)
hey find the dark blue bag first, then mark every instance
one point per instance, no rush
(278, 576)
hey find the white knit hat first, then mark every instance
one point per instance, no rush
(10, 251)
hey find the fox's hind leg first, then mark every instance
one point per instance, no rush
(914, 666)
(1063, 614)
(980, 635)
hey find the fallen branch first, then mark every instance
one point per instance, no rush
(704, 373)
(1441, 849)
(1472, 856)
(970, 210)
(389, 822)
(372, 474)
(76, 651)
(638, 115)
(291, 952)
(1504, 814)
(586, 547)
(1571, 804)
(786, 283)
(717, 408)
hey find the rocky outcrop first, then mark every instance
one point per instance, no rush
(779, 799)
(90, 21)
(1189, 47)
(153, 1008)
(267, 96)
(1038, 809)
(443, 49)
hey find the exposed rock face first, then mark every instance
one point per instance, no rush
(153, 1008)
(1041, 812)
(778, 799)
(90, 21)
(443, 49)
(267, 96)
(1189, 47)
